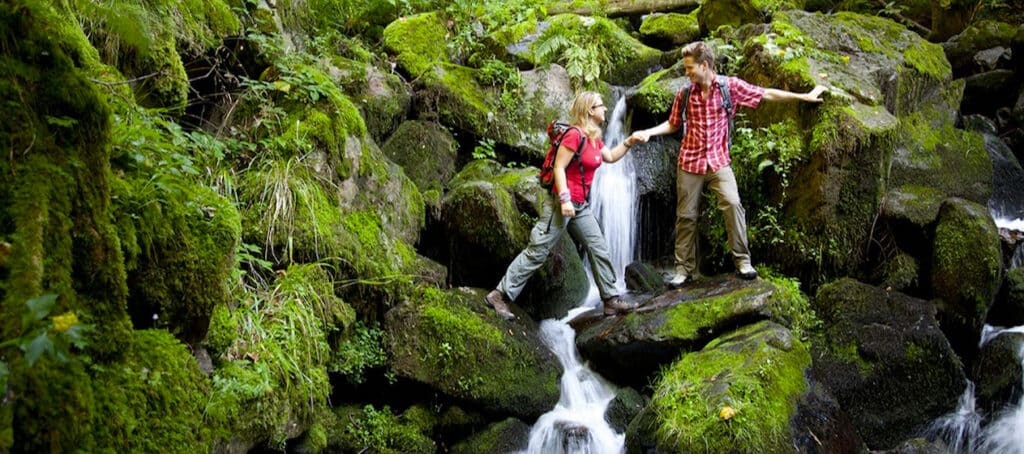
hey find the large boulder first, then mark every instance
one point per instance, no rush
(669, 30)
(878, 73)
(734, 13)
(427, 153)
(738, 394)
(510, 435)
(1008, 310)
(997, 373)
(457, 345)
(871, 336)
(966, 271)
(630, 349)
(488, 215)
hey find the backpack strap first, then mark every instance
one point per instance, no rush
(723, 87)
(578, 158)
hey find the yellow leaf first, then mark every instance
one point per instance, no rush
(727, 413)
(281, 85)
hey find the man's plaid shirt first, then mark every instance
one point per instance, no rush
(705, 146)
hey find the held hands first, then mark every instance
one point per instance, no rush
(639, 137)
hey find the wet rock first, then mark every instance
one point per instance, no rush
(885, 360)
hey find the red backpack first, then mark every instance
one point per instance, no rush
(557, 131)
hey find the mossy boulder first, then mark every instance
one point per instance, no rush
(872, 335)
(966, 270)
(997, 373)
(734, 13)
(426, 151)
(630, 349)
(418, 42)
(488, 216)
(879, 73)
(379, 430)
(56, 215)
(669, 30)
(454, 343)
(1008, 309)
(272, 355)
(737, 394)
(384, 102)
(979, 36)
(179, 241)
(933, 162)
(510, 435)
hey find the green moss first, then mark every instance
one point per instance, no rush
(676, 29)
(154, 399)
(928, 58)
(179, 241)
(273, 375)
(966, 245)
(653, 95)
(683, 321)
(417, 41)
(849, 353)
(758, 371)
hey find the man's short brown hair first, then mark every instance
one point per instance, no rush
(700, 52)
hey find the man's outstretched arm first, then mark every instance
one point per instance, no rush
(774, 94)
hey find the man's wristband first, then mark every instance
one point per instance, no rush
(564, 196)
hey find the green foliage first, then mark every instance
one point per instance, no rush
(41, 337)
(582, 58)
(790, 306)
(382, 431)
(471, 21)
(484, 149)
(360, 350)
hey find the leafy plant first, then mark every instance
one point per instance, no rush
(43, 335)
(484, 150)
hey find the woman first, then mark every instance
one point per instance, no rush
(569, 209)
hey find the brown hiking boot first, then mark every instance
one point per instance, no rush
(615, 305)
(497, 300)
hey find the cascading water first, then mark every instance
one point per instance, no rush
(1007, 201)
(577, 424)
(962, 429)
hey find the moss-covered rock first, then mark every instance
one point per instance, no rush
(684, 320)
(273, 354)
(179, 241)
(979, 36)
(668, 30)
(452, 342)
(734, 13)
(966, 270)
(881, 77)
(426, 151)
(997, 372)
(510, 435)
(871, 335)
(736, 394)
(1008, 309)
(56, 219)
(418, 42)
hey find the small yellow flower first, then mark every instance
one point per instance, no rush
(727, 413)
(64, 321)
(846, 58)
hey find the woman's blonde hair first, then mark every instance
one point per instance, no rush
(580, 112)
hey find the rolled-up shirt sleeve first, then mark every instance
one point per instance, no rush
(744, 93)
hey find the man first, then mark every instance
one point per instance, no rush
(704, 154)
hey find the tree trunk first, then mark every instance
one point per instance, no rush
(614, 8)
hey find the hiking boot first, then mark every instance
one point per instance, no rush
(746, 271)
(615, 305)
(497, 300)
(678, 280)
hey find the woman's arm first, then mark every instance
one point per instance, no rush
(617, 152)
(562, 159)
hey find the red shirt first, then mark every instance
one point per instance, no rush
(705, 146)
(591, 155)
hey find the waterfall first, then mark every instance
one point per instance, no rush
(961, 429)
(614, 202)
(576, 424)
